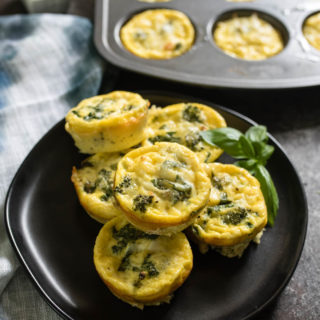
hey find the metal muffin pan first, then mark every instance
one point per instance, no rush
(205, 64)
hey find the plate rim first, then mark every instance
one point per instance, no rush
(165, 94)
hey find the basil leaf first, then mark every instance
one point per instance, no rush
(249, 164)
(269, 192)
(263, 151)
(227, 139)
(258, 137)
(257, 134)
(253, 152)
(247, 147)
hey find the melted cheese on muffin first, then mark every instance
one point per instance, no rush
(249, 38)
(236, 212)
(94, 185)
(139, 268)
(108, 123)
(161, 188)
(311, 30)
(158, 34)
(182, 123)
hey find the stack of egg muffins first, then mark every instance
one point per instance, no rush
(150, 177)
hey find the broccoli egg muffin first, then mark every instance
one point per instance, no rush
(139, 268)
(93, 182)
(236, 212)
(249, 38)
(311, 30)
(182, 123)
(158, 34)
(161, 188)
(108, 123)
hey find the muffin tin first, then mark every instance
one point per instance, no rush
(297, 65)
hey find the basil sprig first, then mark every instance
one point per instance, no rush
(252, 151)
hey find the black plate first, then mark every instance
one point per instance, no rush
(54, 239)
(205, 64)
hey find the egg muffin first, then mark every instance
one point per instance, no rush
(162, 187)
(311, 30)
(182, 123)
(249, 38)
(139, 268)
(158, 34)
(236, 212)
(108, 123)
(94, 181)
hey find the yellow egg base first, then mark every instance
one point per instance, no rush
(101, 211)
(110, 134)
(170, 119)
(311, 30)
(172, 256)
(249, 38)
(143, 164)
(243, 190)
(158, 34)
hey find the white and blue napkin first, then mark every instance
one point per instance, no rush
(47, 65)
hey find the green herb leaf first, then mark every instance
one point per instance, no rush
(178, 190)
(167, 137)
(249, 164)
(257, 134)
(264, 152)
(259, 138)
(141, 202)
(125, 183)
(235, 216)
(253, 152)
(125, 262)
(227, 139)
(192, 114)
(269, 192)
(247, 147)
(192, 141)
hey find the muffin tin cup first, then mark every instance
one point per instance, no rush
(205, 64)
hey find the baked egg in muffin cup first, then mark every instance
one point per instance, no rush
(139, 268)
(311, 30)
(248, 37)
(235, 214)
(161, 188)
(158, 34)
(108, 123)
(94, 182)
(182, 123)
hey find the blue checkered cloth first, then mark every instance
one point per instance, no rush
(47, 65)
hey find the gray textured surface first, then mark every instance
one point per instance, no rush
(21, 301)
(301, 298)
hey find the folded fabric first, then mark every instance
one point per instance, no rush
(47, 65)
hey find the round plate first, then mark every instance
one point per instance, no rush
(54, 238)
